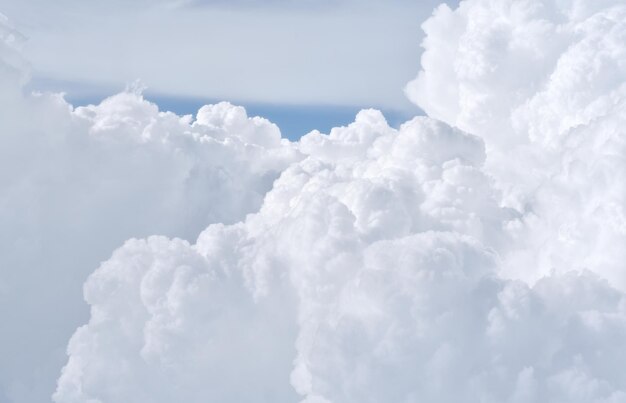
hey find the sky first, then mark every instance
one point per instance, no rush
(299, 62)
(211, 201)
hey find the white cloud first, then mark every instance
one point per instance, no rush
(75, 183)
(378, 257)
(544, 83)
(476, 258)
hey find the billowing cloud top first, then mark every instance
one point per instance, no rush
(371, 273)
(478, 257)
(544, 84)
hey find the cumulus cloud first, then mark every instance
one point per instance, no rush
(370, 273)
(544, 84)
(76, 182)
(472, 255)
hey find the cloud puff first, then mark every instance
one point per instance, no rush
(544, 84)
(370, 273)
(76, 182)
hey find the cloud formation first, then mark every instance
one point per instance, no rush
(472, 255)
(544, 84)
(76, 182)
(371, 273)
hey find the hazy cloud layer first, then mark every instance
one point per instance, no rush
(478, 257)
(290, 52)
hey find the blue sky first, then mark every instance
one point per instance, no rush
(294, 120)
